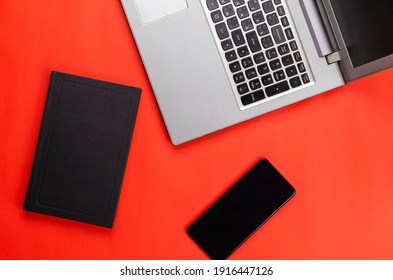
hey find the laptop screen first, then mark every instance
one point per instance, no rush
(367, 28)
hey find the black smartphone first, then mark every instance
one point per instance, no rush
(241, 210)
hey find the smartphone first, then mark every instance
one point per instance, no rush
(241, 210)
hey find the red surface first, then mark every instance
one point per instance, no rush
(335, 148)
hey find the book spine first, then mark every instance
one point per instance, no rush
(33, 175)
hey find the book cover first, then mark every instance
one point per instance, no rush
(82, 149)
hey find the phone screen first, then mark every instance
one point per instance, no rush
(241, 210)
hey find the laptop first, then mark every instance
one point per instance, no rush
(215, 63)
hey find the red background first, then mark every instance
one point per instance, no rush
(335, 148)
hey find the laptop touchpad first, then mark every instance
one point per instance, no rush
(152, 10)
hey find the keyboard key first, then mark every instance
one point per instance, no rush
(267, 80)
(238, 2)
(255, 84)
(293, 45)
(301, 67)
(277, 88)
(243, 88)
(284, 21)
(253, 42)
(227, 45)
(280, 10)
(253, 5)
(212, 4)
(228, 10)
(279, 75)
(238, 37)
(216, 16)
(267, 42)
(277, 2)
(295, 82)
(258, 95)
(263, 69)
(287, 60)
(305, 78)
(239, 78)
(258, 17)
(297, 56)
(235, 66)
(230, 56)
(232, 23)
(247, 62)
(268, 6)
(259, 58)
(262, 29)
(223, 2)
(242, 12)
(291, 71)
(275, 64)
(243, 51)
(272, 53)
(247, 25)
(251, 73)
(283, 49)
(222, 31)
(272, 19)
(289, 33)
(253, 97)
(278, 34)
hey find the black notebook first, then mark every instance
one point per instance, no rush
(82, 149)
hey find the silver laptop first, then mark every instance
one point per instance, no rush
(215, 63)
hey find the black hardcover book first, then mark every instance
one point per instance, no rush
(82, 149)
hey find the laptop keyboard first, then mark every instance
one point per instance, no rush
(259, 48)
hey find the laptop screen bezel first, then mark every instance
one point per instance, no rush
(348, 70)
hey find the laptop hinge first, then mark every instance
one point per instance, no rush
(317, 27)
(326, 22)
(333, 58)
